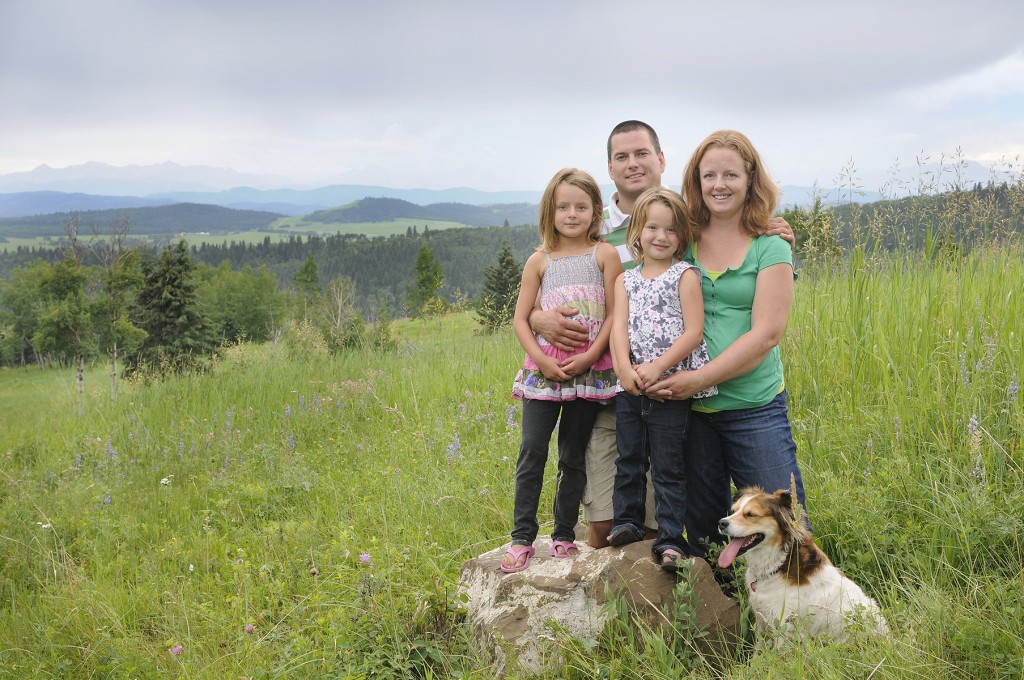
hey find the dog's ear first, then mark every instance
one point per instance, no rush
(784, 498)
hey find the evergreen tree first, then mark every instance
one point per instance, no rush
(500, 291)
(178, 335)
(429, 279)
(307, 284)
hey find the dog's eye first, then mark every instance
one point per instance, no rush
(749, 515)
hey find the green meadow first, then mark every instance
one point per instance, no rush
(300, 225)
(292, 513)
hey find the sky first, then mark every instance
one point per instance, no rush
(499, 96)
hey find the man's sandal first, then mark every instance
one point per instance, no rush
(563, 549)
(517, 553)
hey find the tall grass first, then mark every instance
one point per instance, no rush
(293, 513)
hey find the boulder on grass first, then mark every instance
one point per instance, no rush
(513, 614)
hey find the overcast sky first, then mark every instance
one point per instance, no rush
(498, 96)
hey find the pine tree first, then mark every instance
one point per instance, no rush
(500, 291)
(178, 335)
(423, 298)
(307, 284)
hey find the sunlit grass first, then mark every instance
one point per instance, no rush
(329, 501)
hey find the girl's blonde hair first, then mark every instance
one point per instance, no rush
(546, 223)
(680, 220)
(762, 194)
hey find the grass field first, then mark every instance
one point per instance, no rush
(295, 514)
(280, 230)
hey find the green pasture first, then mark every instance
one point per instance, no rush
(299, 225)
(292, 513)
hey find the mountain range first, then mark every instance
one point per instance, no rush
(97, 186)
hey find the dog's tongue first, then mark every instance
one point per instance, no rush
(729, 553)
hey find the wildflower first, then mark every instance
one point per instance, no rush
(191, 568)
(106, 501)
(287, 411)
(181, 448)
(462, 410)
(166, 480)
(510, 416)
(291, 442)
(504, 459)
(972, 425)
(249, 628)
(454, 447)
(176, 650)
(302, 403)
(364, 557)
(78, 460)
(1011, 391)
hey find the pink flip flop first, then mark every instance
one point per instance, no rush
(563, 549)
(517, 552)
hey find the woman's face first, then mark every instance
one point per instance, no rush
(723, 182)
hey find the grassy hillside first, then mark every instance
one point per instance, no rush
(292, 514)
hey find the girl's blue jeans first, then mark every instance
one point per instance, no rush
(650, 434)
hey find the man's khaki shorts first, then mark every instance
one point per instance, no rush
(601, 456)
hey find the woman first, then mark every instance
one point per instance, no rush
(742, 434)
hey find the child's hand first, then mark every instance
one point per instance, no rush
(647, 373)
(552, 370)
(575, 365)
(631, 382)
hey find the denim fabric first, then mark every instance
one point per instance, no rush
(749, 447)
(650, 434)
(539, 418)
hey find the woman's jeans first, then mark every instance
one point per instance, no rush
(650, 434)
(539, 418)
(749, 447)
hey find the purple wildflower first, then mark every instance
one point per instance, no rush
(454, 447)
(288, 411)
(106, 501)
(972, 425)
(1012, 390)
(364, 557)
(510, 416)
(249, 629)
(176, 650)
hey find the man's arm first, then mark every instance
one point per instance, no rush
(778, 226)
(558, 328)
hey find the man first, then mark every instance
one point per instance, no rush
(635, 164)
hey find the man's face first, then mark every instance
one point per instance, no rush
(634, 165)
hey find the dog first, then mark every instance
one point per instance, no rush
(792, 584)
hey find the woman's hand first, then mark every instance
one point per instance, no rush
(679, 385)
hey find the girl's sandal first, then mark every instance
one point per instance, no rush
(517, 553)
(563, 549)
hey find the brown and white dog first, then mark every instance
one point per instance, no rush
(793, 585)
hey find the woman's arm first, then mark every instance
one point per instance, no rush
(773, 298)
(529, 288)
(691, 302)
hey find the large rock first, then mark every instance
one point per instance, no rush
(513, 613)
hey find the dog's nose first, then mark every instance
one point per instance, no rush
(723, 524)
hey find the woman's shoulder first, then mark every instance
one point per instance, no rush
(772, 250)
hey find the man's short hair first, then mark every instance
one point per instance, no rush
(630, 126)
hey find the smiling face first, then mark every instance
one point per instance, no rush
(724, 182)
(574, 212)
(634, 165)
(659, 237)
